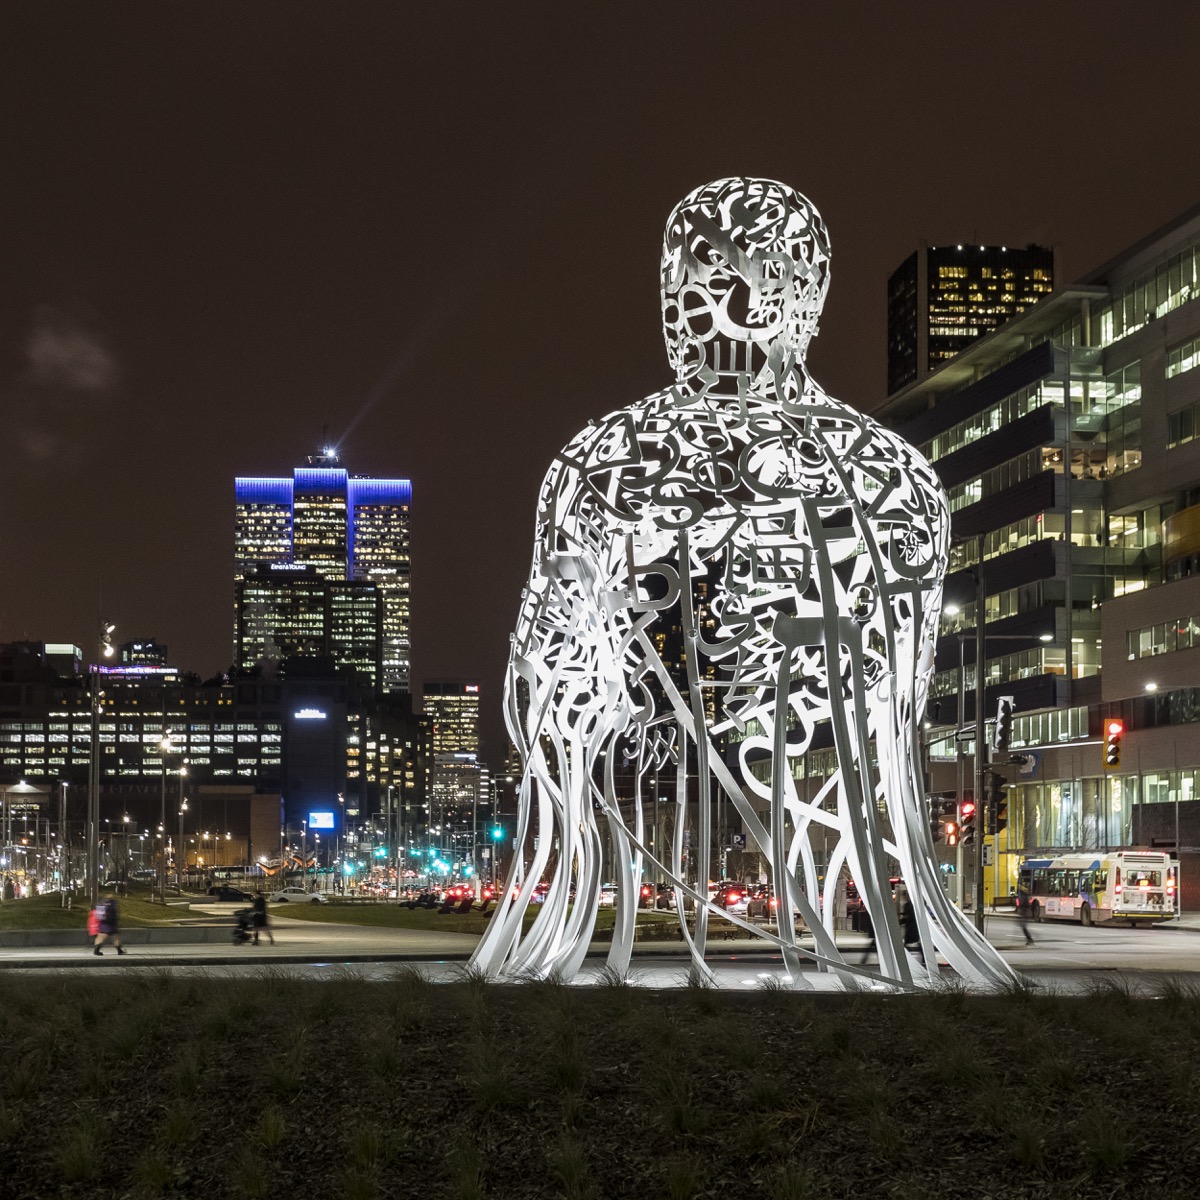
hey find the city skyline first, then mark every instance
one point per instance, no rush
(402, 225)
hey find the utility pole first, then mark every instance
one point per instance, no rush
(980, 749)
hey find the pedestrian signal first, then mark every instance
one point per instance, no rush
(1114, 731)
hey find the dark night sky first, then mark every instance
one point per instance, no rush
(435, 228)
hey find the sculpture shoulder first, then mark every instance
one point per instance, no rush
(613, 437)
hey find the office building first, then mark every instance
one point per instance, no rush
(943, 298)
(285, 611)
(145, 652)
(459, 793)
(318, 738)
(1066, 440)
(334, 526)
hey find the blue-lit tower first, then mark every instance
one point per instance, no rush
(343, 527)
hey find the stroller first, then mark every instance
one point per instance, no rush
(244, 923)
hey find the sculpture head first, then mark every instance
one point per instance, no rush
(745, 268)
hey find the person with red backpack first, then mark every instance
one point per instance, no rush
(105, 920)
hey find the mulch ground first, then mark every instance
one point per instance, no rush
(158, 1085)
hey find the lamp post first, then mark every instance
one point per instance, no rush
(182, 850)
(165, 747)
(64, 853)
(981, 638)
(93, 823)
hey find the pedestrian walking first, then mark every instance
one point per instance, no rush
(908, 923)
(865, 925)
(260, 920)
(109, 927)
(1023, 914)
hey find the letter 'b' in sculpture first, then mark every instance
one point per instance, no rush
(725, 575)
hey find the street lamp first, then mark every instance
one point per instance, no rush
(183, 805)
(93, 830)
(165, 747)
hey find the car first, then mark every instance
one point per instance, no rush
(608, 895)
(225, 893)
(295, 895)
(733, 898)
(762, 904)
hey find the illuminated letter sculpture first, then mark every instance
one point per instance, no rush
(792, 553)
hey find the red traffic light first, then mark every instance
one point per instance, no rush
(1112, 728)
(968, 810)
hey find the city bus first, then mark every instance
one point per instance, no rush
(1139, 887)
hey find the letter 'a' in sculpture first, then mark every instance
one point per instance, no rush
(791, 552)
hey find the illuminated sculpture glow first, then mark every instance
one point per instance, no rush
(798, 550)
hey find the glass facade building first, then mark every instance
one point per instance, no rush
(341, 527)
(1061, 439)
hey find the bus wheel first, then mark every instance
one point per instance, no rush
(1085, 915)
(1035, 911)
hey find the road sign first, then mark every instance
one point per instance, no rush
(738, 841)
(988, 853)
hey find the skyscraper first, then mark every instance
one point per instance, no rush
(941, 298)
(343, 527)
(285, 611)
(457, 783)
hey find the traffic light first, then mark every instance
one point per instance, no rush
(1000, 812)
(947, 817)
(966, 821)
(996, 796)
(497, 832)
(1114, 731)
(1002, 733)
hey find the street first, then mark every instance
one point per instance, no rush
(1064, 956)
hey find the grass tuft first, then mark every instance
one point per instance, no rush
(271, 1128)
(1105, 1142)
(359, 1185)
(683, 1179)
(178, 1126)
(385, 1059)
(24, 1077)
(791, 1182)
(569, 1164)
(152, 1172)
(466, 1172)
(251, 1175)
(1028, 1146)
(187, 1073)
(609, 977)
(79, 1154)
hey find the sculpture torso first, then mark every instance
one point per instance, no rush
(774, 503)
